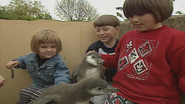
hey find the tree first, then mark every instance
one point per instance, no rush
(24, 10)
(75, 10)
(121, 14)
(179, 12)
(3, 13)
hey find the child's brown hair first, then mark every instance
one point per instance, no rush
(45, 36)
(161, 9)
(106, 20)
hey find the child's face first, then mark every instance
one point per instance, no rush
(47, 50)
(106, 33)
(144, 22)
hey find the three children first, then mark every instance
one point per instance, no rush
(149, 60)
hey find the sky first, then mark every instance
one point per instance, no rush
(102, 6)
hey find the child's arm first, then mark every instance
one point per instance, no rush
(2, 80)
(111, 61)
(19, 62)
(12, 64)
(177, 63)
(178, 67)
(61, 74)
(182, 84)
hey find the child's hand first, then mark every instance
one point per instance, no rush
(12, 64)
(2, 80)
(90, 52)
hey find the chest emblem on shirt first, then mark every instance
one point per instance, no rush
(145, 49)
(136, 61)
(133, 56)
(129, 45)
(140, 67)
(123, 62)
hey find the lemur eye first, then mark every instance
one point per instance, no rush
(93, 57)
(99, 88)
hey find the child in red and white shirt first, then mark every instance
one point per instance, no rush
(150, 60)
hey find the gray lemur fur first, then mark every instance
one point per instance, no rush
(78, 93)
(90, 66)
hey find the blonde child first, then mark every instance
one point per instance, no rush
(44, 65)
(106, 26)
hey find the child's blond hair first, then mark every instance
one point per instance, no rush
(45, 36)
(106, 20)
